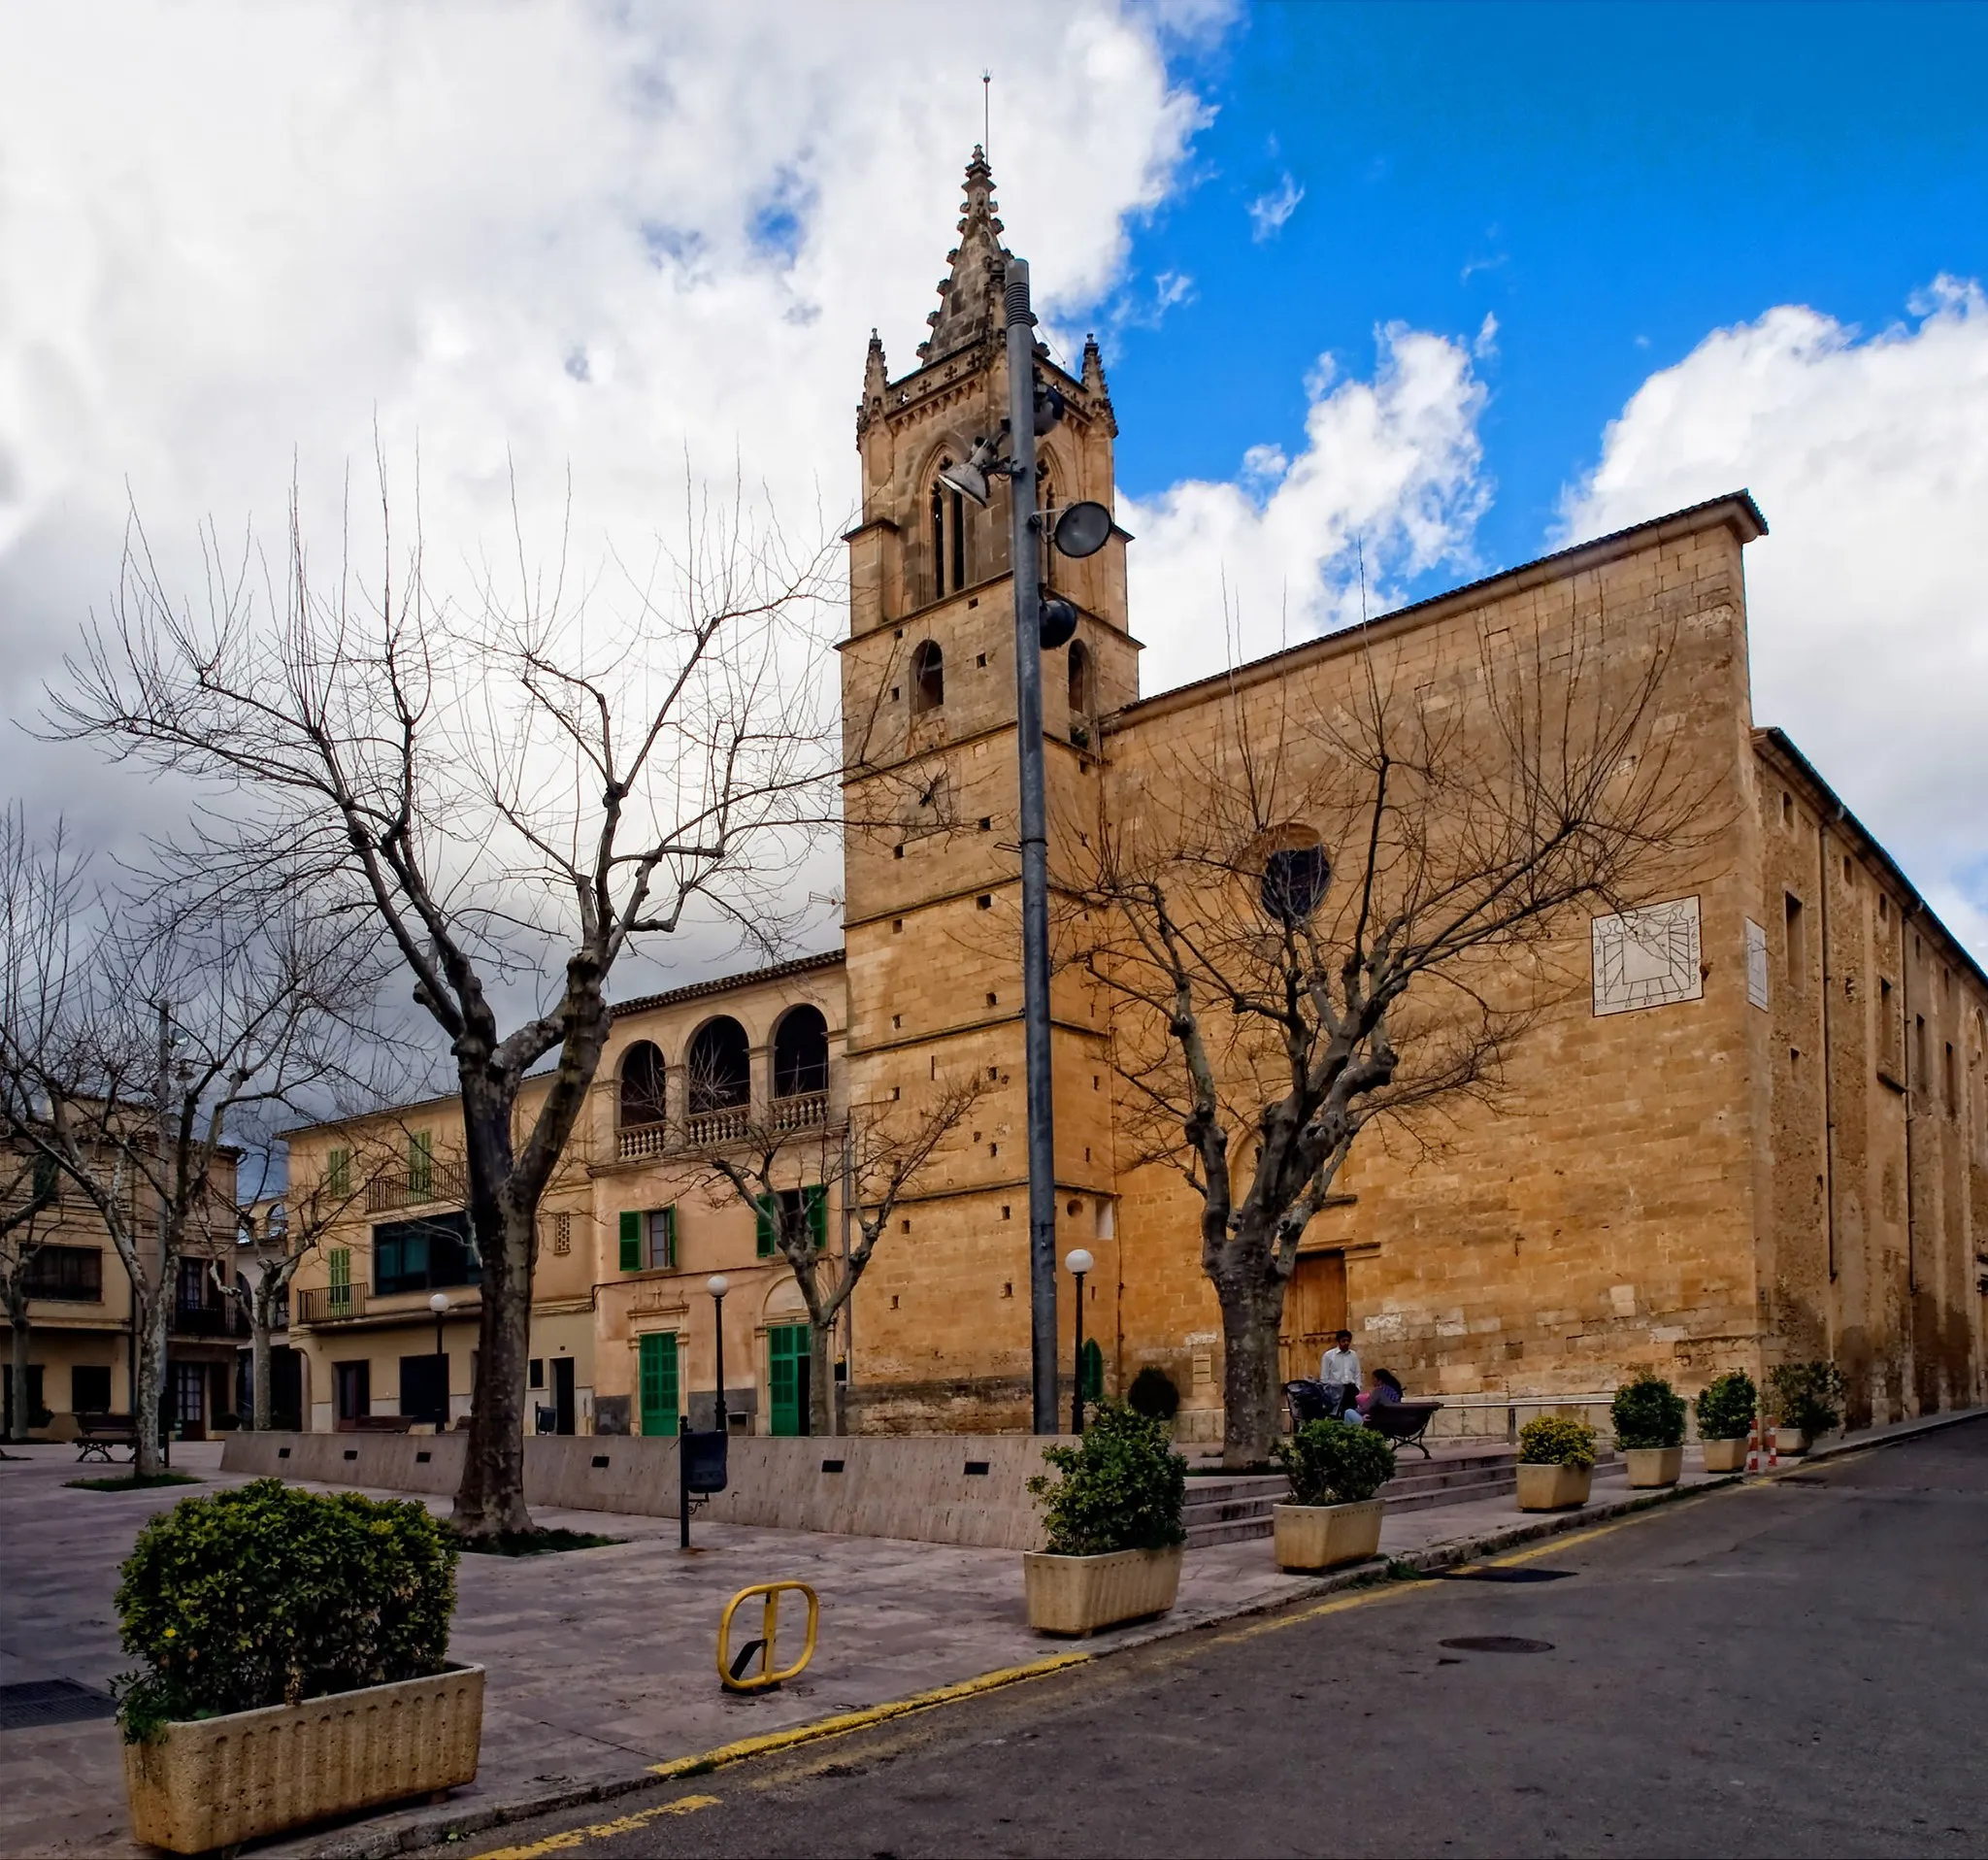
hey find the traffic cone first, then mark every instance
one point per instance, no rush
(1753, 1446)
(1774, 1452)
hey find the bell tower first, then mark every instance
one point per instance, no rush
(932, 911)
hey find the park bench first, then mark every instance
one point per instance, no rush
(1403, 1422)
(97, 1434)
(376, 1424)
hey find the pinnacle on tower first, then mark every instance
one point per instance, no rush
(967, 296)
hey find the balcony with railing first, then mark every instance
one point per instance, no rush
(445, 1183)
(634, 1141)
(803, 1110)
(336, 1304)
(210, 1321)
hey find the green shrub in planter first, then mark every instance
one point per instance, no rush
(266, 1595)
(1333, 1463)
(1727, 1405)
(1122, 1487)
(1647, 1412)
(1553, 1440)
(1807, 1395)
(1152, 1394)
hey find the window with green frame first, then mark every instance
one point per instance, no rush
(649, 1239)
(657, 1372)
(420, 1162)
(339, 1261)
(771, 1210)
(338, 1174)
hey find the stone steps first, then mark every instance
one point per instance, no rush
(1232, 1510)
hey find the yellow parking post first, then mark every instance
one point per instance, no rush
(732, 1671)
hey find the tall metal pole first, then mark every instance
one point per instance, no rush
(1025, 555)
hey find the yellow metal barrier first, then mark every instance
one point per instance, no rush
(732, 1671)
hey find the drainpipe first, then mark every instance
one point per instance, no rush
(1828, 1122)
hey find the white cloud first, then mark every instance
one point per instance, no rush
(1389, 480)
(565, 235)
(1269, 212)
(1869, 455)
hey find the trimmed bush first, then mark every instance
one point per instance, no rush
(1122, 1487)
(266, 1595)
(1334, 1463)
(1152, 1394)
(1553, 1440)
(1647, 1412)
(1807, 1395)
(1727, 1405)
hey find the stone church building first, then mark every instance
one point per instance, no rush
(1756, 1130)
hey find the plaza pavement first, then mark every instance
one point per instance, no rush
(601, 1662)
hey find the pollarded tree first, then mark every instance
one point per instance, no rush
(514, 789)
(1350, 905)
(30, 1197)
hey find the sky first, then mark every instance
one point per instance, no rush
(1390, 298)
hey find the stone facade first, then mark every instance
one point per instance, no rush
(1757, 1128)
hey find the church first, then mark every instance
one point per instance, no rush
(1752, 1127)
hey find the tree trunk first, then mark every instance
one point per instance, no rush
(1251, 1315)
(151, 1316)
(17, 1316)
(820, 1377)
(258, 1358)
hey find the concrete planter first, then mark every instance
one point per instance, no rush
(1082, 1594)
(1725, 1456)
(1322, 1537)
(212, 1783)
(1790, 1439)
(1653, 1466)
(1553, 1488)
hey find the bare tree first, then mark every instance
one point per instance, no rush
(144, 1038)
(781, 1169)
(1351, 907)
(515, 788)
(29, 1190)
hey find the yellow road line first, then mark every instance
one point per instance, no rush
(728, 1753)
(600, 1829)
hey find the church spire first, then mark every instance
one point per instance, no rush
(967, 296)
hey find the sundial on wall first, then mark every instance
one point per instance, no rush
(1647, 958)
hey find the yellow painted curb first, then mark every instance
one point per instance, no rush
(798, 1734)
(572, 1838)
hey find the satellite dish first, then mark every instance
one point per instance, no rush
(1082, 530)
(1055, 623)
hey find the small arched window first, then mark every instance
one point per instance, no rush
(799, 1053)
(642, 1086)
(928, 677)
(948, 538)
(1293, 883)
(1079, 680)
(719, 1066)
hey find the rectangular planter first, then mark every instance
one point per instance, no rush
(1791, 1440)
(1322, 1537)
(1725, 1456)
(1553, 1488)
(1653, 1466)
(212, 1783)
(1082, 1594)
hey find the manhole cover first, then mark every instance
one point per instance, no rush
(1498, 1644)
(1505, 1575)
(39, 1702)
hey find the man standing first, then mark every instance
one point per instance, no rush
(1338, 1374)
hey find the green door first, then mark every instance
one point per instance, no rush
(786, 1349)
(659, 1383)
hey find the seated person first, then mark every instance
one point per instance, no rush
(1383, 1390)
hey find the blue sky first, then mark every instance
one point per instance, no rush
(1612, 185)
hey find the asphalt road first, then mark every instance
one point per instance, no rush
(1795, 1668)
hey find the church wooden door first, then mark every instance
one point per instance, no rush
(1315, 1307)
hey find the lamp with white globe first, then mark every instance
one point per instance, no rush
(1078, 1262)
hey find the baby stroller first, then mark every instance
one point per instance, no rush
(1308, 1401)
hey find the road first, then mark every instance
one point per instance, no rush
(1794, 1668)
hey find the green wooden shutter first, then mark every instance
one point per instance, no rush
(631, 1239)
(815, 1200)
(338, 1173)
(768, 1211)
(420, 1162)
(659, 1383)
(786, 1350)
(670, 1236)
(340, 1261)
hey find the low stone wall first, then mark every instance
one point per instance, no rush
(933, 1488)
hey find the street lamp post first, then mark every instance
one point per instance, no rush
(1079, 1263)
(717, 1285)
(438, 1303)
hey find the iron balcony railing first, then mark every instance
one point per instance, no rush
(446, 1183)
(328, 1304)
(210, 1321)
